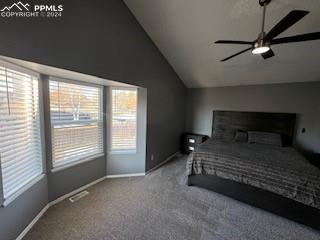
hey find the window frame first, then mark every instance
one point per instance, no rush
(4, 202)
(122, 151)
(1, 186)
(86, 158)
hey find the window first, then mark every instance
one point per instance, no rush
(124, 119)
(20, 140)
(76, 122)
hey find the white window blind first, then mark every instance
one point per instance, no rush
(20, 141)
(76, 122)
(124, 119)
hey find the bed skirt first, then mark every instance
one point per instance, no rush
(260, 198)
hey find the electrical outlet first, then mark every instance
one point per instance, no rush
(152, 157)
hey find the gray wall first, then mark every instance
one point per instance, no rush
(18, 214)
(69, 179)
(100, 38)
(133, 162)
(300, 98)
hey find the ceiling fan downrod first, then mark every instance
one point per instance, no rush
(260, 46)
(263, 17)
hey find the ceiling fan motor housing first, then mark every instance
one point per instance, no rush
(260, 42)
(262, 45)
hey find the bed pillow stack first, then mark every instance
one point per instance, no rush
(241, 136)
(224, 134)
(273, 139)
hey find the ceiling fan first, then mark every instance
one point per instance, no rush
(264, 41)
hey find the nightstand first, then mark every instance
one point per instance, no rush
(315, 159)
(190, 141)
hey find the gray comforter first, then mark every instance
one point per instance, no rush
(277, 169)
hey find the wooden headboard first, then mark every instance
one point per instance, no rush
(282, 123)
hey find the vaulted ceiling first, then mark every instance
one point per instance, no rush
(185, 30)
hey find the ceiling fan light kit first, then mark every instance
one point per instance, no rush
(262, 45)
(260, 50)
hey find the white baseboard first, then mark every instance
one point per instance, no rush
(76, 191)
(32, 223)
(162, 163)
(126, 175)
(50, 204)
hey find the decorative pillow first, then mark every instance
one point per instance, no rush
(267, 138)
(241, 136)
(224, 134)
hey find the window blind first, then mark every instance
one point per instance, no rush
(124, 119)
(76, 122)
(20, 141)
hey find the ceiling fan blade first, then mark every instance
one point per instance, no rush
(234, 55)
(297, 38)
(268, 54)
(292, 18)
(233, 42)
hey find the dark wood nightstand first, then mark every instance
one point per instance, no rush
(190, 141)
(315, 159)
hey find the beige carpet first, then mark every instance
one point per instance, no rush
(161, 206)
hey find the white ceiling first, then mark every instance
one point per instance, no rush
(185, 30)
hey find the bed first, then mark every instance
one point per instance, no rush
(275, 178)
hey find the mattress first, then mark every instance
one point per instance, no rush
(281, 170)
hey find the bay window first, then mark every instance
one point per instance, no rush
(20, 139)
(124, 119)
(76, 122)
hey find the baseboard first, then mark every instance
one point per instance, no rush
(50, 204)
(60, 199)
(162, 163)
(32, 223)
(126, 175)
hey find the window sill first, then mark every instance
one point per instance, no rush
(22, 190)
(72, 164)
(122, 152)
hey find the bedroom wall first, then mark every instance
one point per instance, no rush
(300, 98)
(128, 162)
(18, 214)
(103, 39)
(66, 180)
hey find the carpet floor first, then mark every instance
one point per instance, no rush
(161, 206)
